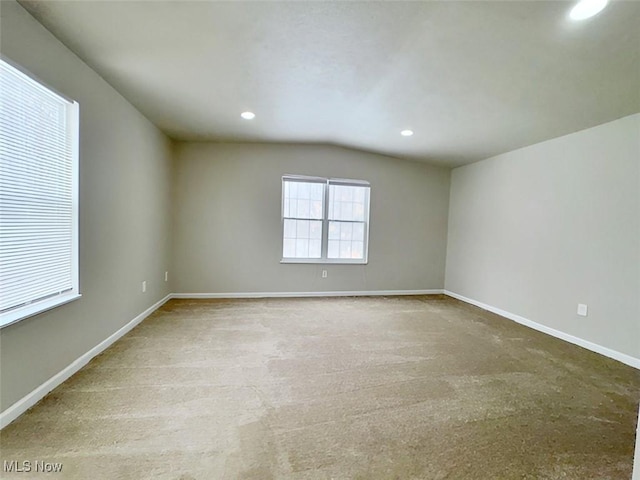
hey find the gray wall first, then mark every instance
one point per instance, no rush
(538, 230)
(227, 227)
(125, 172)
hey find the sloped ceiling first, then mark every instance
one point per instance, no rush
(472, 79)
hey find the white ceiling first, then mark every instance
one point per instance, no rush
(472, 79)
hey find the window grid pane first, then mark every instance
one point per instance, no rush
(346, 240)
(347, 202)
(302, 238)
(303, 200)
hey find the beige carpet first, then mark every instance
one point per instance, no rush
(366, 388)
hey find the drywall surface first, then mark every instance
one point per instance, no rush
(539, 230)
(227, 220)
(125, 188)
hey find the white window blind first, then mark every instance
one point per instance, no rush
(324, 220)
(38, 196)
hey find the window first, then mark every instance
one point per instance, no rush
(324, 220)
(38, 197)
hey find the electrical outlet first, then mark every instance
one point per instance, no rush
(582, 310)
(166, 276)
(324, 274)
(144, 286)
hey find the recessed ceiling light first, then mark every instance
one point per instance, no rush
(406, 133)
(248, 115)
(587, 8)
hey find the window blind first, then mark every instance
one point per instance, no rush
(38, 193)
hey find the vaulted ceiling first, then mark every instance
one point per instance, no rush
(471, 79)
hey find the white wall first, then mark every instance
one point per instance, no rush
(538, 230)
(227, 226)
(125, 170)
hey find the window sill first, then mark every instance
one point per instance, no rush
(27, 311)
(320, 261)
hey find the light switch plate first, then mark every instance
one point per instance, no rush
(582, 310)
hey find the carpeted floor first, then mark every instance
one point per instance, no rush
(335, 388)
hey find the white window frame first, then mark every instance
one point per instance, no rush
(38, 305)
(326, 182)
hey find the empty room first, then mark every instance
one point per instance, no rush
(319, 240)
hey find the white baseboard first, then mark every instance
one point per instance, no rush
(594, 347)
(29, 400)
(370, 293)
